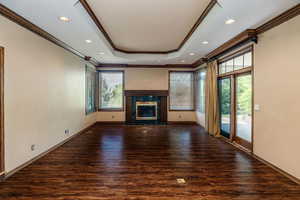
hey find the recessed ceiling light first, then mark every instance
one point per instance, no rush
(192, 54)
(64, 19)
(229, 21)
(101, 53)
(88, 41)
(182, 61)
(204, 42)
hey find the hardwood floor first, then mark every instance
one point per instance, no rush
(143, 162)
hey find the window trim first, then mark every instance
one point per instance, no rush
(169, 97)
(234, 55)
(240, 71)
(99, 92)
(87, 112)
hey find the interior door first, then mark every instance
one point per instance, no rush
(225, 106)
(243, 113)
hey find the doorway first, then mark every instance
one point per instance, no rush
(1, 111)
(235, 97)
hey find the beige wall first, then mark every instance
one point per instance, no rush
(276, 88)
(146, 79)
(188, 116)
(111, 116)
(44, 94)
(200, 117)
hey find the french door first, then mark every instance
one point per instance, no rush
(225, 106)
(243, 111)
(235, 100)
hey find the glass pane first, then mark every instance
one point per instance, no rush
(229, 65)
(238, 63)
(181, 91)
(222, 68)
(248, 59)
(90, 88)
(197, 90)
(111, 91)
(90, 95)
(225, 105)
(202, 91)
(244, 107)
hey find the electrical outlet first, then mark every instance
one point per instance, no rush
(67, 131)
(32, 147)
(112, 116)
(179, 116)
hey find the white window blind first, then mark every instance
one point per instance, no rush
(181, 91)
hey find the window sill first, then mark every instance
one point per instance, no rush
(111, 110)
(89, 113)
(192, 110)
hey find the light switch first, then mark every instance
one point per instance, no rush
(256, 107)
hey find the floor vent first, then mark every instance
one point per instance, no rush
(180, 181)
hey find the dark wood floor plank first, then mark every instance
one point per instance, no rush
(143, 162)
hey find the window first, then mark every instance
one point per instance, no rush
(181, 91)
(90, 89)
(200, 90)
(238, 61)
(111, 90)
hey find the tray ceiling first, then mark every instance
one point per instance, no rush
(248, 14)
(148, 26)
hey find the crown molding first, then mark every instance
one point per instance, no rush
(246, 35)
(250, 34)
(168, 66)
(287, 15)
(6, 12)
(93, 16)
(241, 38)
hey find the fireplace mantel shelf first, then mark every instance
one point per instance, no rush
(161, 93)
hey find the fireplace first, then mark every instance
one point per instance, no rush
(146, 110)
(146, 106)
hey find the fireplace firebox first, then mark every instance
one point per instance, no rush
(146, 110)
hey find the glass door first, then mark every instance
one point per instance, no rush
(235, 96)
(225, 106)
(243, 115)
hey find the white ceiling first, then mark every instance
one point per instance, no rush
(147, 25)
(247, 13)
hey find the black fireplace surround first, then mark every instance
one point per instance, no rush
(146, 106)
